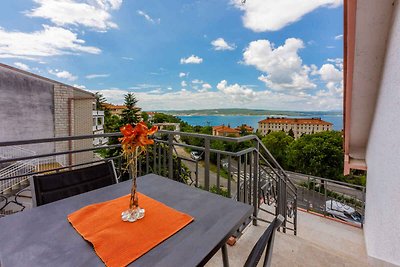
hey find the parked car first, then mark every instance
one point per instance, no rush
(195, 155)
(343, 212)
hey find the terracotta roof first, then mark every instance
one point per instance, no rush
(296, 121)
(111, 106)
(224, 129)
(246, 127)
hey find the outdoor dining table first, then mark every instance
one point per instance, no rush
(43, 236)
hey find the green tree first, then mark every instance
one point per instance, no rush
(291, 133)
(277, 143)
(145, 116)
(100, 100)
(319, 154)
(131, 114)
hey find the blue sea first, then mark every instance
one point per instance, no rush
(252, 120)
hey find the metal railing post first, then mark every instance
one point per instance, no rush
(325, 195)
(255, 184)
(170, 157)
(207, 164)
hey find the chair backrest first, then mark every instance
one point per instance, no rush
(52, 187)
(266, 240)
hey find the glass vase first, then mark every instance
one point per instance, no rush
(135, 212)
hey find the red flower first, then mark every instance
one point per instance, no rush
(136, 136)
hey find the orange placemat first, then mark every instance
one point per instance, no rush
(119, 243)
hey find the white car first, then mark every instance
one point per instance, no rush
(343, 212)
(195, 155)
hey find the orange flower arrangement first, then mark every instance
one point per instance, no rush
(134, 138)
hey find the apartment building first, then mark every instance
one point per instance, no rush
(299, 126)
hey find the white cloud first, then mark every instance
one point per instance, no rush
(221, 44)
(144, 86)
(330, 46)
(192, 60)
(206, 86)
(94, 76)
(79, 86)
(337, 61)
(183, 83)
(94, 14)
(339, 37)
(22, 66)
(283, 66)
(182, 74)
(63, 74)
(148, 18)
(51, 41)
(127, 58)
(332, 75)
(237, 92)
(329, 73)
(273, 15)
(197, 81)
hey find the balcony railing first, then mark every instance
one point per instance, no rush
(246, 173)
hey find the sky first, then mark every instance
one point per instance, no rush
(180, 54)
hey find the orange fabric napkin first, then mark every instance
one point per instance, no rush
(119, 243)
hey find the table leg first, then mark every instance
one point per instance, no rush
(225, 258)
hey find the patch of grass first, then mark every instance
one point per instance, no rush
(213, 168)
(219, 191)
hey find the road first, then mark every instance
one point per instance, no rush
(186, 159)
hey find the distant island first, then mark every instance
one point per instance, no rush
(248, 112)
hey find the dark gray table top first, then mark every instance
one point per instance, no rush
(43, 236)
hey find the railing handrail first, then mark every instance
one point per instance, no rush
(354, 186)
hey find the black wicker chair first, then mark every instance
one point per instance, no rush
(52, 187)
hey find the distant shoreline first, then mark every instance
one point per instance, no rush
(249, 112)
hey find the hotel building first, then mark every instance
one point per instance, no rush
(299, 126)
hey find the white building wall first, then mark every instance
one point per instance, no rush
(382, 219)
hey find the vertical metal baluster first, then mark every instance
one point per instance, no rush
(229, 177)
(256, 178)
(154, 157)
(159, 159)
(308, 190)
(170, 157)
(164, 161)
(218, 170)
(207, 164)
(197, 174)
(238, 178)
(363, 207)
(245, 178)
(325, 196)
(250, 178)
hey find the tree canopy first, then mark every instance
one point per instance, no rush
(131, 114)
(319, 154)
(277, 143)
